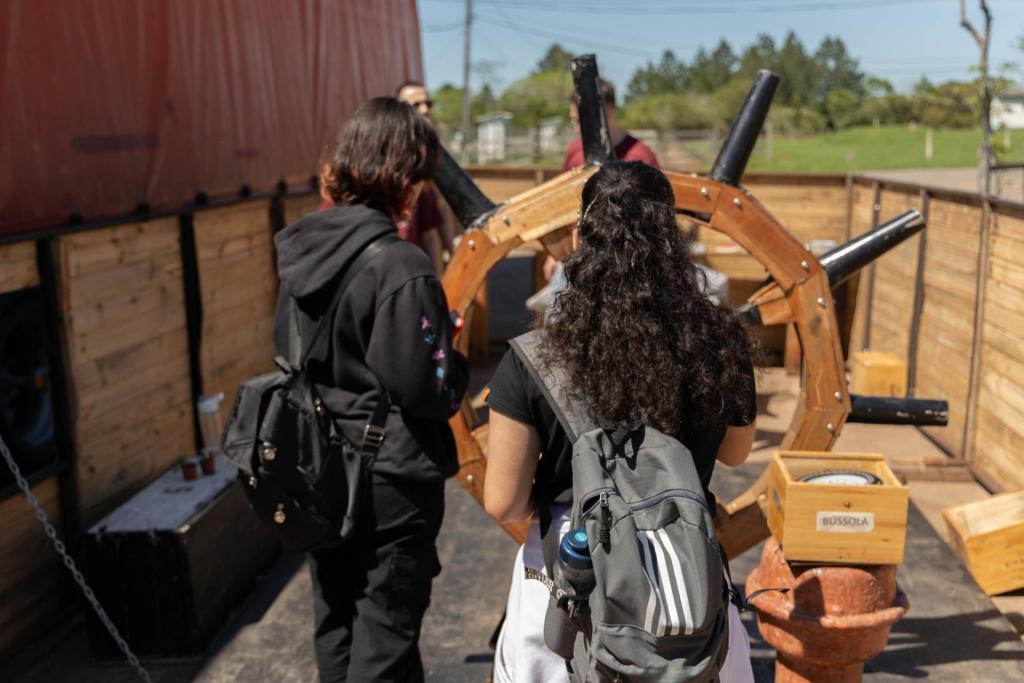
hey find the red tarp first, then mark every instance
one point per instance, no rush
(108, 104)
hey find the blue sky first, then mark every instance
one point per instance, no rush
(900, 40)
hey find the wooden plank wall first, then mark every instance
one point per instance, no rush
(238, 281)
(947, 319)
(18, 266)
(299, 205)
(861, 219)
(812, 207)
(32, 588)
(893, 296)
(997, 453)
(125, 321)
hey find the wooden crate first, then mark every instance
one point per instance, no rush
(988, 536)
(878, 374)
(836, 523)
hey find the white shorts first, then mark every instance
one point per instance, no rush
(521, 655)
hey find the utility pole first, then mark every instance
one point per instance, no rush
(467, 40)
(987, 156)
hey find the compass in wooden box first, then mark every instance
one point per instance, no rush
(845, 508)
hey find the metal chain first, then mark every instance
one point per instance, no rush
(58, 545)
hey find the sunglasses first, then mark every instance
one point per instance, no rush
(429, 104)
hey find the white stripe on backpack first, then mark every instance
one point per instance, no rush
(654, 602)
(684, 599)
(668, 598)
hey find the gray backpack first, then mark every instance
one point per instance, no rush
(658, 610)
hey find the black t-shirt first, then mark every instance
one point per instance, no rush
(515, 394)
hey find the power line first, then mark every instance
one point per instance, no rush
(564, 37)
(698, 9)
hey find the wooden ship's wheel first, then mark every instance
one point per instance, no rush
(798, 291)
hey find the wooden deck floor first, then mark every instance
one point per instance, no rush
(953, 632)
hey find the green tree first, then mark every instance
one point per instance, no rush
(839, 71)
(710, 71)
(799, 73)
(556, 58)
(761, 55)
(447, 113)
(669, 75)
(669, 111)
(536, 97)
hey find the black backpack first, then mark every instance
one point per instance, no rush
(299, 471)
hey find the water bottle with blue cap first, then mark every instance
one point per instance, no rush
(574, 561)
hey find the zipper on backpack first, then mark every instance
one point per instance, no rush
(665, 495)
(600, 500)
(602, 495)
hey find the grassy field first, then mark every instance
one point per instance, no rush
(856, 149)
(886, 147)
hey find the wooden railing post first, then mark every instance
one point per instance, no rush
(974, 380)
(869, 297)
(915, 317)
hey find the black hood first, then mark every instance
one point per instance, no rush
(312, 252)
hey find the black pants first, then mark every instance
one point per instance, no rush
(370, 594)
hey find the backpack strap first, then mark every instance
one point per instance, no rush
(574, 418)
(373, 431)
(367, 253)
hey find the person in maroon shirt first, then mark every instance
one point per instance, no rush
(627, 147)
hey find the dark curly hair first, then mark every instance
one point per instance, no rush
(382, 151)
(638, 338)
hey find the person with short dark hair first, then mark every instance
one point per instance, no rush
(390, 341)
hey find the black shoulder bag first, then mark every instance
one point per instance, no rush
(299, 471)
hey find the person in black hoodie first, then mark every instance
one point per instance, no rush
(391, 341)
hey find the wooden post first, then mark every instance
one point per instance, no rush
(915, 317)
(48, 264)
(971, 416)
(876, 207)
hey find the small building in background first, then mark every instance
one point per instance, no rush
(1008, 110)
(552, 140)
(492, 136)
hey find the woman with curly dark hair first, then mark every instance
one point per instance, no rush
(387, 363)
(638, 341)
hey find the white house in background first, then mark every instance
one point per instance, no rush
(491, 136)
(551, 135)
(1008, 110)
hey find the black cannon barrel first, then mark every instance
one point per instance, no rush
(898, 411)
(468, 202)
(847, 259)
(732, 158)
(597, 140)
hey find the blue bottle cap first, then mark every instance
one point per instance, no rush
(578, 540)
(574, 550)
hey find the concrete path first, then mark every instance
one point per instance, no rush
(1007, 184)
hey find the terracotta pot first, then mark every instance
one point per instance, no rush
(189, 470)
(831, 621)
(209, 464)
